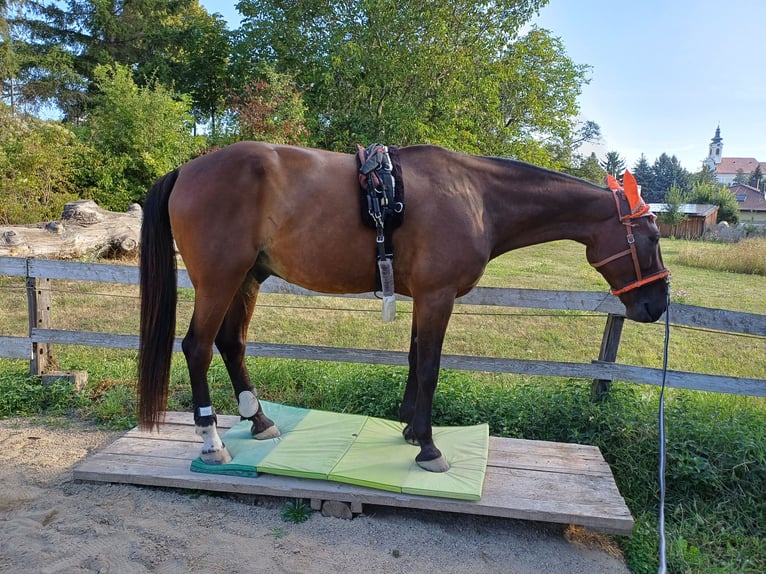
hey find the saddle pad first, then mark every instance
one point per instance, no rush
(355, 449)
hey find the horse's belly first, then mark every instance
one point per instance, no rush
(327, 267)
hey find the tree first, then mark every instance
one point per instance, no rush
(9, 65)
(271, 110)
(32, 74)
(589, 169)
(64, 41)
(673, 215)
(196, 63)
(539, 101)
(138, 134)
(448, 72)
(587, 131)
(703, 176)
(642, 171)
(613, 164)
(756, 177)
(720, 195)
(667, 171)
(742, 177)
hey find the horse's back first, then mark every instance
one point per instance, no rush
(297, 212)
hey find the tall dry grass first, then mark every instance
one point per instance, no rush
(747, 256)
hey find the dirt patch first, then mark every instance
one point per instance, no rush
(51, 524)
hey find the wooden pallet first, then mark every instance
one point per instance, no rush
(528, 480)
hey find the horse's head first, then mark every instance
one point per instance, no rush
(626, 252)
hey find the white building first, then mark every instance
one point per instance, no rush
(727, 168)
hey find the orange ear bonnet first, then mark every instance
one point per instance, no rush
(637, 206)
(613, 184)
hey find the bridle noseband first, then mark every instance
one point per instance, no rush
(627, 220)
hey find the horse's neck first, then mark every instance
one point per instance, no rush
(531, 206)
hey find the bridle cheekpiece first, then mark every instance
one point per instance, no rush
(636, 208)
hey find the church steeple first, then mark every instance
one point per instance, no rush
(715, 151)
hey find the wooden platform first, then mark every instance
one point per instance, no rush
(528, 480)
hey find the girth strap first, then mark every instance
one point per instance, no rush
(382, 203)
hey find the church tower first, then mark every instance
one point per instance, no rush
(715, 151)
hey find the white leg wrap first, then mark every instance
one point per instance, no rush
(248, 404)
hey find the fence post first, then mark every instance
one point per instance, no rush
(610, 343)
(39, 310)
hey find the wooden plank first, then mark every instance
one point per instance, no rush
(685, 380)
(179, 426)
(152, 448)
(547, 456)
(172, 432)
(13, 266)
(610, 343)
(544, 299)
(516, 486)
(187, 418)
(681, 314)
(78, 271)
(594, 370)
(717, 319)
(560, 498)
(16, 348)
(505, 495)
(39, 316)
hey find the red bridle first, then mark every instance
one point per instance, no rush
(627, 220)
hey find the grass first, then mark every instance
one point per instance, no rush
(747, 256)
(296, 511)
(716, 467)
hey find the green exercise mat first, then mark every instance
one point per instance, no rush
(355, 449)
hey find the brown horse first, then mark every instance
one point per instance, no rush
(252, 210)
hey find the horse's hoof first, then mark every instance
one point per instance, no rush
(219, 456)
(270, 432)
(409, 435)
(436, 465)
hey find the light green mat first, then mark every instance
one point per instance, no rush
(356, 449)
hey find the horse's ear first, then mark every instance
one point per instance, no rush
(631, 191)
(612, 183)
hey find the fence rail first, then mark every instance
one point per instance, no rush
(36, 346)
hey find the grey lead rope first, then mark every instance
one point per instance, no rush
(663, 568)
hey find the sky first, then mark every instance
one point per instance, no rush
(663, 73)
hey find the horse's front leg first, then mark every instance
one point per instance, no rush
(432, 318)
(407, 407)
(231, 342)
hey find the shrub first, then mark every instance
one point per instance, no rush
(138, 134)
(714, 194)
(38, 160)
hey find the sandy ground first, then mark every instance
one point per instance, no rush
(51, 524)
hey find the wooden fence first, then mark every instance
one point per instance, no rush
(35, 347)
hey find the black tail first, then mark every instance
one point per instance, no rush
(158, 303)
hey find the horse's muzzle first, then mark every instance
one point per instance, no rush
(646, 304)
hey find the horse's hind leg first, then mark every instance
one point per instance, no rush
(198, 350)
(212, 300)
(231, 341)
